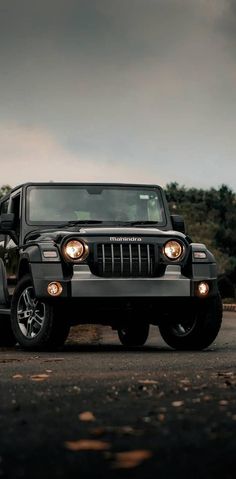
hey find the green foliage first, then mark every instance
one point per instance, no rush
(210, 217)
(4, 190)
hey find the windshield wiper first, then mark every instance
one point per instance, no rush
(80, 222)
(107, 223)
(133, 223)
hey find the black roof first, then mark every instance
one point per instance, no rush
(68, 183)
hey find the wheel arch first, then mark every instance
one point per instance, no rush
(4, 296)
(24, 268)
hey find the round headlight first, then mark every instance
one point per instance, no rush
(173, 249)
(75, 250)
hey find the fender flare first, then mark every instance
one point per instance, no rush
(30, 255)
(4, 295)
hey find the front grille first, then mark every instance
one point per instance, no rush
(125, 260)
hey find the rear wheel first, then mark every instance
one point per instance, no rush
(133, 335)
(36, 324)
(196, 330)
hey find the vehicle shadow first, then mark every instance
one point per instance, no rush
(116, 348)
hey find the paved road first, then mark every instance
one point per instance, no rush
(95, 410)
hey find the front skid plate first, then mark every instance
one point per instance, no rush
(124, 288)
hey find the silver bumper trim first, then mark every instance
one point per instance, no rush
(172, 284)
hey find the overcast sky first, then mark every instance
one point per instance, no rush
(120, 90)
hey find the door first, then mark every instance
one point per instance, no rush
(11, 245)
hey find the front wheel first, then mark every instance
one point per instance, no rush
(132, 335)
(36, 324)
(196, 330)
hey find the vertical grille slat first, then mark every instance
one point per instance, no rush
(103, 259)
(121, 260)
(130, 260)
(148, 259)
(112, 259)
(139, 259)
(125, 260)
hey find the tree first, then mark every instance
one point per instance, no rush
(4, 190)
(211, 219)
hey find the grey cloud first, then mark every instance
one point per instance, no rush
(227, 22)
(117, 29)
(146, 82)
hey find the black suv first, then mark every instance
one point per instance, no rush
(104, 254)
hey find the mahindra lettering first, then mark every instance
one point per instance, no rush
(106, 254)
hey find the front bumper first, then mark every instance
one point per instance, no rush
(84, 284)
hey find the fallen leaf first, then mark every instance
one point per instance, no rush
(39, 377)
(76, 388)
(177, 403)
(87, 445)
(185, 381)
(161, 417)
(130, 459)
(223, 403)
(207, 398)
(17, 376)
(147, 419)
(86, 416)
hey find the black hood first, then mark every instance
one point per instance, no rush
(58, 234)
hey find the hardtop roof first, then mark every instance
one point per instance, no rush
(70, 183)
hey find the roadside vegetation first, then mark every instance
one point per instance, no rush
(210, 217)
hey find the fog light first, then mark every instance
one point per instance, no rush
(203, 288)
(54, 289)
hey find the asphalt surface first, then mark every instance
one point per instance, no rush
(97, 410)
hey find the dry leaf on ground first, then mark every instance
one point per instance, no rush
(130, 459)
(17, 376)
(223, 402)
(39, 377)
(177, 403)
(87, 445)
(86, 416)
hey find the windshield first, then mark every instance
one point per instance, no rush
(58, 204)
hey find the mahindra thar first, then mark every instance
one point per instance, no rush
(109, 254)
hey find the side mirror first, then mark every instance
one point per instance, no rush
(7, 222)
(178, 223)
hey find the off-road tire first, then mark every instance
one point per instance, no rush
(197, 330)
(54, 329)
(132, 335)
